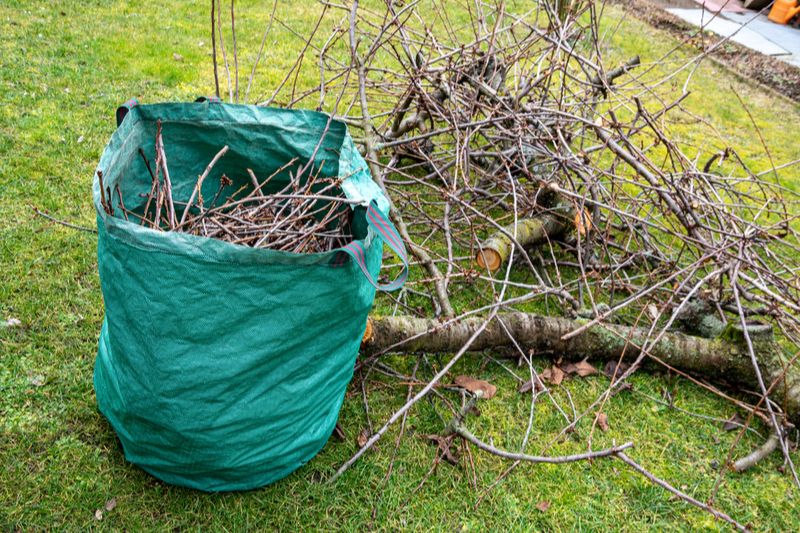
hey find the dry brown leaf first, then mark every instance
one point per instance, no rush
(474, 385)
(443, 443)
(528, 386)
(363, 437)
(543, 505)
(734, 422)
(602, 421)
(613, 368)
(569, 368)
(583, 223)
(552, 375)
(584, 369)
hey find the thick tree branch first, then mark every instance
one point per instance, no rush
(723, 358)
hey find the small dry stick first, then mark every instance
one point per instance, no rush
(456, 426)
(105, 202)
(682, 495)
(214, 48)
(162, 159)
(63, 223)
(198, 187)
(121, 203)
(153, 187)
(410, 403)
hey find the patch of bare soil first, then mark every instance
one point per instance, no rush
(778, 75)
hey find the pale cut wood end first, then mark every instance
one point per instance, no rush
(367, 332)
(489, 259)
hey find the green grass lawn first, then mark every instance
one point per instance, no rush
(63, 70)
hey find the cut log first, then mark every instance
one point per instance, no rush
(495, 250)
(723, 358)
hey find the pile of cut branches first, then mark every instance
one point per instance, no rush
(523, 171)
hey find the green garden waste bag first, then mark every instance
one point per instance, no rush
(223, 367)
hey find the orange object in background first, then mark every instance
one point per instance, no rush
(783, 11)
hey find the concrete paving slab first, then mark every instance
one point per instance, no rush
(743, 35)
(784, 36)
(715, 6)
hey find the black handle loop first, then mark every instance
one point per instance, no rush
(122, 111)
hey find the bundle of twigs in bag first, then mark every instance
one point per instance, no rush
(306, 215)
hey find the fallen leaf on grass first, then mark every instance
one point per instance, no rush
(543, 505)
(443, 443)
(583, 221)
(528, 386)
(613, 369)
(583, 369)
(474, 411)
(363, 437)
(734, 422)
(110, 504)
(553, 375)
(602, 421)
(474, 385)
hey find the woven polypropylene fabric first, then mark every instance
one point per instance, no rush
(223, 367)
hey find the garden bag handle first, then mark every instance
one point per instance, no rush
(386, 230)
(122, 110)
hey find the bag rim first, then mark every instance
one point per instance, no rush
(357, 183)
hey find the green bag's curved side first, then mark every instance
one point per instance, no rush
(223, 367)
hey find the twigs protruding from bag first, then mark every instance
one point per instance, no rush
(303, 212)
